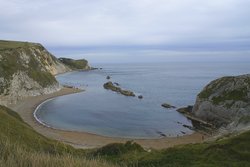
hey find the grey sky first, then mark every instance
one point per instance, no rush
(66, 26)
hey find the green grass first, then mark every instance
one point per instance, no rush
(228, 152)
(239, 94)
(13, 44)
(14, 130)
(235, 95)
(214, 86)
(21, 146)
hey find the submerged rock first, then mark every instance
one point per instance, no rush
(166, 105)
(108, 77)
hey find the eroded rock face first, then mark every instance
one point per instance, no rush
(225, 101)
(27, 69)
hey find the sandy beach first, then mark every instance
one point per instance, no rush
(27, 106)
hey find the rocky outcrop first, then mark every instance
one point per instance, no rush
(27, 69)
(168, 106)
(110, 86)
(81, 64)
(225, 102)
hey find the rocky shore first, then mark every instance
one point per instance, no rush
(198, 124)
(224, 104)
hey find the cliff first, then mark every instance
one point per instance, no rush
(27, 69)
(225, 102)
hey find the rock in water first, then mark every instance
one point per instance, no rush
(140, 97)
(166, 105)
(108, 77)
(109, 85)
(225, 101)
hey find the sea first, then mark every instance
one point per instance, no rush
(107, 113)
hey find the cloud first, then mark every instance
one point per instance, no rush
(65, 23)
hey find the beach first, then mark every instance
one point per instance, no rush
(27, 106)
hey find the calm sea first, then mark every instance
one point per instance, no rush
(107, 113)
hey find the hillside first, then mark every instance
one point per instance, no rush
(28, 69)
(21, 146)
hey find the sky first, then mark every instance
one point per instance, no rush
(132, 30)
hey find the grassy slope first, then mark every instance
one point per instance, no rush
(21, 146)
(234, 151)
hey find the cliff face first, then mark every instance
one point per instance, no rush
(27, 69)
(225, 102)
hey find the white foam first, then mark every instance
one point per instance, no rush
(35, 116)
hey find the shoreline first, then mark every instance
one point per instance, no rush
(27, 108)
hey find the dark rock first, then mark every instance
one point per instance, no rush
(110, 86)
(183, 132)
(184, 110)
(117, 84)
(127, 92)
(166, 105)
(189, 127)
(161, 134)
(108, 77)
(140, 97)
